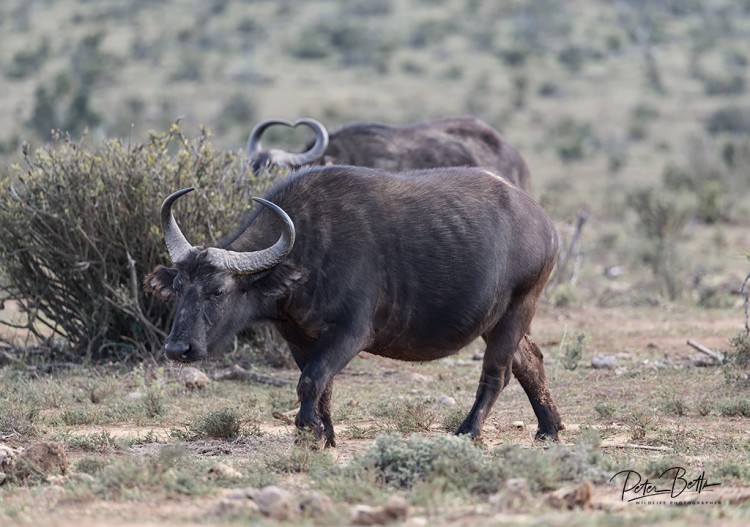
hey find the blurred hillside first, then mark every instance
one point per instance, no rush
(601, 97)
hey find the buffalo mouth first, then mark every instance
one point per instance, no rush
(182, 352)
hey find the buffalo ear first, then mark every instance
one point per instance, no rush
(281, 280)
(160, 282)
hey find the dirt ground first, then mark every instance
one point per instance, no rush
(653, 365)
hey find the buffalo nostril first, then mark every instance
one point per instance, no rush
(177, 350)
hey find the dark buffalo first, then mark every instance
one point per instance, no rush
(411, 266)
(461, 141)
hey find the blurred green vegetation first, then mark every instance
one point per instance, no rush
(637, 113)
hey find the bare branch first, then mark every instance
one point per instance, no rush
(746, 303)
(706, 351)
(237, 372)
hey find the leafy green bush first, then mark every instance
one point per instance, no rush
(734, 407)
(731, 119)
(27, 62)
(573, 140)
(661, 220)
(573, 352)
(641, 117)
(408, 416)
(224, 423)
(605, 410)
(737, 365)
(547, 469)
(564, 295)
(353, 43)
(674, 406)
(733, 84)
(168, 473)
(239, 109)
(403, 462)
(79, 229)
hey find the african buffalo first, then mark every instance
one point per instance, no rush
(461, 141)
(412, 266)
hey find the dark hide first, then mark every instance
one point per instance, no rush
(411, 266)
(453, 142)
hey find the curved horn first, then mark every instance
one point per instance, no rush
(256, 261)
(289, 158)
(177, 244)
(253, 140)
(317, 149)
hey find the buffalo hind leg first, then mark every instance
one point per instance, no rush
(324, 413)
(528, 368)
(496, 372)
(502, 341)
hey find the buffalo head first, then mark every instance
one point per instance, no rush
(218, 291)
(263, 159)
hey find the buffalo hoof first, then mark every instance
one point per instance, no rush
(307, 438)
(546, 435)
(309, 431)
(467, 429)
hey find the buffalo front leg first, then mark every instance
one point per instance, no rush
(324, 404)
(528, 368)
(331, 353)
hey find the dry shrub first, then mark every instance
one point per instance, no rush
(737, 362)
(662, 218)
(79, 229)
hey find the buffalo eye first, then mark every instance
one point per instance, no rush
(178, 284)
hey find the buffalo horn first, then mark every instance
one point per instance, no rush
(255, 261)
(292, 159)
(177, 245)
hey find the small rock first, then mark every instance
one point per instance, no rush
(7, 458)
(193, 378)
(703, 362)
(228, 506)
(134, 396)
(82, 477)
(570, 498)
(220, 470)
(368, 515)
(418, 377)
(446, 400)
(41, 460)
(316, 504)
(397, 507)
(603, 362)
(520, 425)
(276, 503)
(515, 495)
(248, 493)
(56, 480)
(417, 521)
(659, 364)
